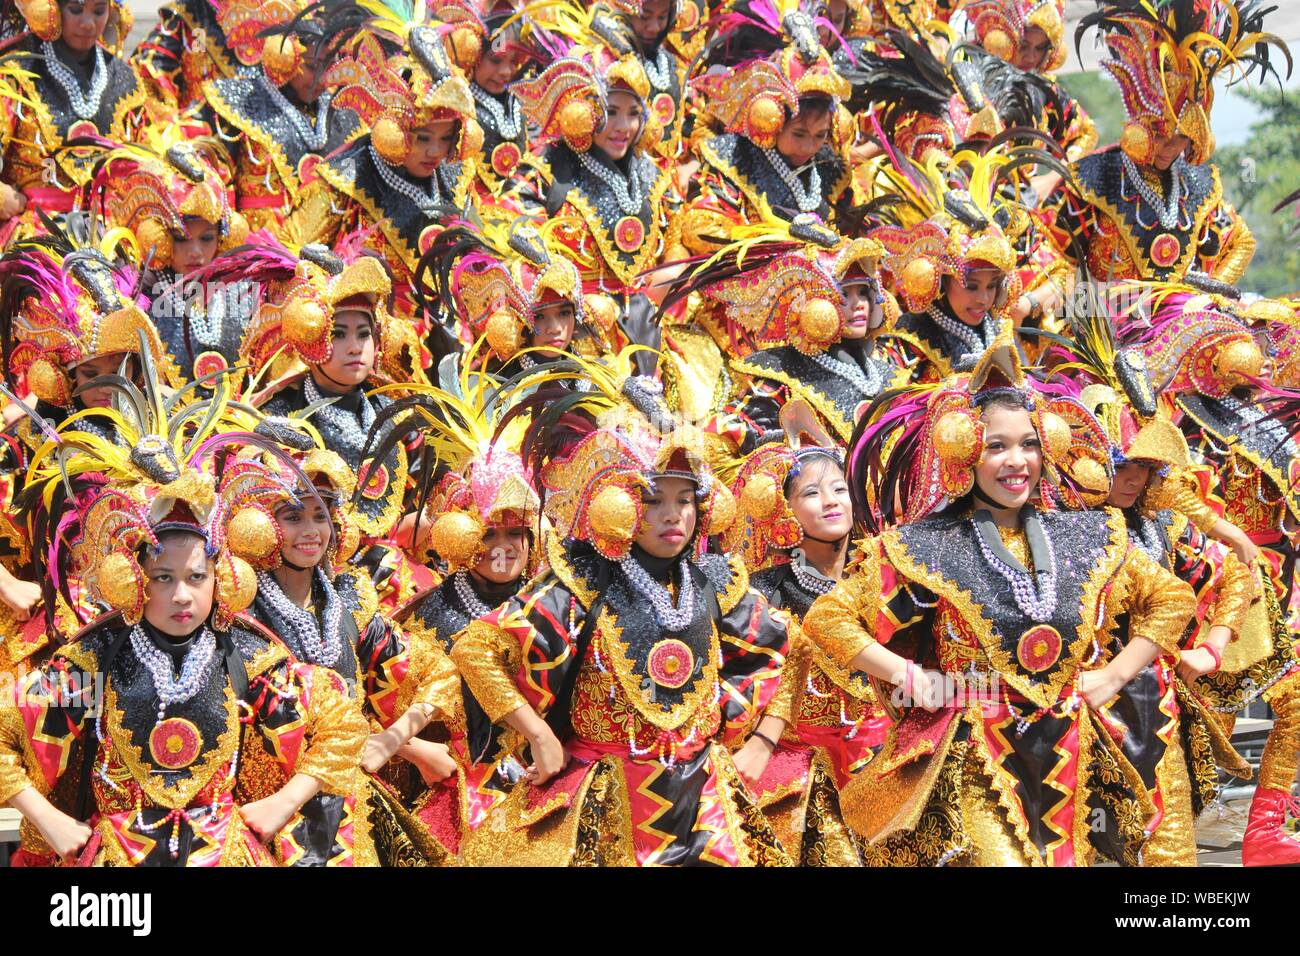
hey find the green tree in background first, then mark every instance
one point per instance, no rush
(1258, 174)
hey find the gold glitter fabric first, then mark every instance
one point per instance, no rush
(1174, 841)
(487, 657)
(335, 732)
(1277, 766)
(1181, 491)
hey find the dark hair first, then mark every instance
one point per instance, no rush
(167, 534)
(1008, 398)
(811, 458)
(813, 106)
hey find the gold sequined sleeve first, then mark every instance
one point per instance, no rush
(313, 219)
(13, 770)
(1158, 602)
(1180, 491)
(335, 729)
(1237, 590)
(840, 623)
(488, 657)
(434, 677)
(788, 698)
(1238, 248)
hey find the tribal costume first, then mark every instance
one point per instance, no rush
(186, 724)
(713, 653)
(56, 98)
(276, 140)
(1010, 772)
(186, 48)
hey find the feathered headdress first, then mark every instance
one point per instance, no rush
(1000, 27)
(1165, 55)
(298, 294)
(156, 474)
(395, 94)
(150, 188)
(493, 279)
(775, 284)
(916, 449)
(483, 482)
(593, 451)
(65, 302)
(764, 521)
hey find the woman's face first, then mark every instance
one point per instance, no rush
(837, 12)
(180, 584)
(802, 136)
(1166, 149)
(196, 248)
(553, 328)
(625, 116)
(651, 21)
(505, 555)
(669, 517)
(92, 369)
(1131, 479)
(353, 357)
(83, 23)
(972, 298)
(304, 81)
(863, 314)
(430, 147)
(819, 498)
(495, 71)
(1012, 463)
(305, 532)
(1033, 50)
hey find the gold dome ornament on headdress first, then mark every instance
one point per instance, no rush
(764, 521)
(156, 476)
(1165, 58)
(410, 89)
(482, 482)
(1001, 27)
(594, 450)
(152, 187)
(950, 217)
(67, 304)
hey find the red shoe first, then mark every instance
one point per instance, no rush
(1266, 842)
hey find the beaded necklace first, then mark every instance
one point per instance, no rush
(809, 199)
(317, 645)
(84, 105)
(173, 690)
(507, 126)
(468, 597)
(868, 381)
(670, 618)
(427, 202)
(313, 135)
(627, 192)
(1166, 208)
(973, 342)
(1035, 594)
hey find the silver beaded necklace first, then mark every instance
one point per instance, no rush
(627, 192)
(808, 580)
(173, 690)
(507, 126)
(1034, 592)
(670, 618)
(468, 597)
(808, 200)
(84, 105)
(868, 382)
(313, 136)
(658, 70)
(974, 342)
(345, 422)
(318, 645)
(208, 321)
(426, 201)
(1166, 208)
